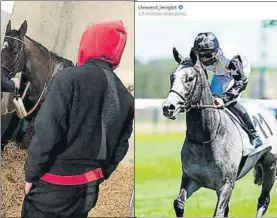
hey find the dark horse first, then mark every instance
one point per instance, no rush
(20, 53)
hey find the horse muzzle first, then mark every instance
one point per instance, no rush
(171, 111)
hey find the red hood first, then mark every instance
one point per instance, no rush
(103, 41)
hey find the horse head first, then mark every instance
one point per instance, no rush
(13, 54)
(186, 86)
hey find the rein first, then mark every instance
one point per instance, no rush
(43, 90)
(203, 106)
(35, 106)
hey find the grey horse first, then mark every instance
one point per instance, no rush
(212, 153)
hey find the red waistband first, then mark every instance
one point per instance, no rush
(87, 177)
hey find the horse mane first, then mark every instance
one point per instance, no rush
(53, 55)
(198, 67)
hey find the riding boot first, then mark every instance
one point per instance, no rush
(254, 137)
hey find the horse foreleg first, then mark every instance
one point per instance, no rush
(223, 198)
(24, 125)
(188, 187)
(269, 173)
(226, 212)
(7, 135)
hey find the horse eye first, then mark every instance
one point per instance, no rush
(190, 79)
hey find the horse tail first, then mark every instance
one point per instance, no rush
(258, 174)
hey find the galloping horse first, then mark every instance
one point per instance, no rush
(213, 153)
(20, 53)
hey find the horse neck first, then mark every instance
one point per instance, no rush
(38, 67)
(202, 124)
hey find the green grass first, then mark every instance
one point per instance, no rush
(157, 182)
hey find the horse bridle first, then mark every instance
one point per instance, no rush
(12, 74)
(187, 103)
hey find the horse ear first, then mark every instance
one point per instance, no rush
(193, 56)
(9, 26)
(178, 58)
(23, 29)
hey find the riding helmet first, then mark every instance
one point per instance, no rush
(206, 46)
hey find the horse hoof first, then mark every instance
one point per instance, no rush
(179, 209)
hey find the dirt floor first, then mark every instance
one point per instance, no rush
(114, 199)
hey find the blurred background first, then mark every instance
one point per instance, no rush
(159, 140)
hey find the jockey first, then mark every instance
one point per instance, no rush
(230, 77)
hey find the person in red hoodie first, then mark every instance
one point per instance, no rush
(81, 130)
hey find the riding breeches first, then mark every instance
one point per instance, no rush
(240, 112)
(237, 109)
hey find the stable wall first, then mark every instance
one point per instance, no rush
(58, 25)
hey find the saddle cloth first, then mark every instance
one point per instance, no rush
(265, 123)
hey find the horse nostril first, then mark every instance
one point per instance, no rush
(171, 107)
(168, 106)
